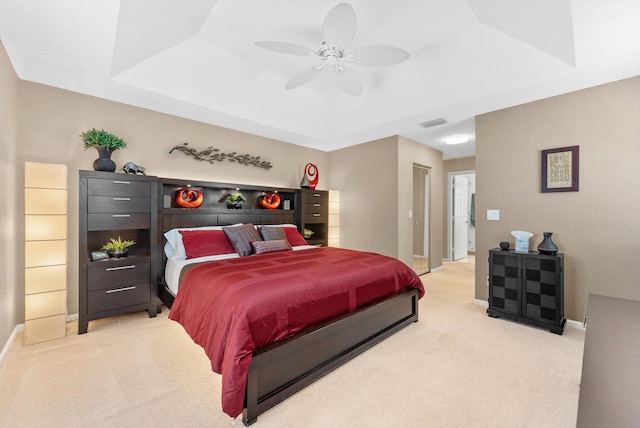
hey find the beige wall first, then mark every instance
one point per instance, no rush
(452, 165)
(11, 300)
(51, 120)
(596, 228)
(367, 177)
(375, 180)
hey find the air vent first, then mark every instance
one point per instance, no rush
(434, 122)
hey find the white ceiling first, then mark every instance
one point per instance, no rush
(197, 59)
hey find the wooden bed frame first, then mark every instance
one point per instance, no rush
(281, 369)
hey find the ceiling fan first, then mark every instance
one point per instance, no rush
(339, 29)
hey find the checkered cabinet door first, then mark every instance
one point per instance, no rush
(504, 282)
(542, 288)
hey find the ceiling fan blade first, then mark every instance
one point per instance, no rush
(340, 25)
(379, 56)
(303, 77)
(286, 47)
(349, 81)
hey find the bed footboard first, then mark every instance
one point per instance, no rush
(282, 369)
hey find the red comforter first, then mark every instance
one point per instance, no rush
(233, 307)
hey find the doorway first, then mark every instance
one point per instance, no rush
(420, 217)
(461, 215)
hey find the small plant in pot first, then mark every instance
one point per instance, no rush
(235, 200)
(118, 247)
(105, 143)
(307, 233)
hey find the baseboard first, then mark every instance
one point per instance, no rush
(436, 269)
(569, 323)
(482, 303)
(17, 329)
(575, 324)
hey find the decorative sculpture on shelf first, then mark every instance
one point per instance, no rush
(132, 168)
(269, 201)
(310, 177)
(212, 155)
(189, 198)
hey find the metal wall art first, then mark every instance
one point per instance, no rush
(212, 155)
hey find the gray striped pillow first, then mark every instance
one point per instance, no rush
(270, 233)
(241, 237)
(270, 246)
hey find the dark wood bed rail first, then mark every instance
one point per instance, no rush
(284, 368)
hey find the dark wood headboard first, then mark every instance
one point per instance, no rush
(214, 211)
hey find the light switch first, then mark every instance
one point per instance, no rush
(493, 214)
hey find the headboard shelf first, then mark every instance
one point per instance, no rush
(214, 211)
(214, 195)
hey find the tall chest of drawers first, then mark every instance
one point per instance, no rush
(116, 205)
(313, 214)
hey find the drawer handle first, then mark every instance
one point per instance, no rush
(121, 182)
(117, 290)
(121, 215)
(316, 195)
(316, 205)
(121, 268)
(316, 215)
(121, 199)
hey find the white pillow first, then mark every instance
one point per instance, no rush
(174, 248)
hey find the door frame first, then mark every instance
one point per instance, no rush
(426, 214)
(450, 176)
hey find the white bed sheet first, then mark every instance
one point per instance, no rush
(174, 267)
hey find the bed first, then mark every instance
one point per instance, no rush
(275, 321)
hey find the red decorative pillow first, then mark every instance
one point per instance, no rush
(294, 237)
(200, 243)
(271, 246)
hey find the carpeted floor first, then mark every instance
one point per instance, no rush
(456, 367)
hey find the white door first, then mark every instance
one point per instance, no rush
(460, 216)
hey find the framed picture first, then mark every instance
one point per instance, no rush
(560, 169)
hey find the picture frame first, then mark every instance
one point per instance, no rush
(560, 170)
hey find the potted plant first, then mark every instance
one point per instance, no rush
(235, 200)
(307, 233)
(105, 143)
(118, 247)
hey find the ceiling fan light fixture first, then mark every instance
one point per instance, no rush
(339, 29)
(456, 139)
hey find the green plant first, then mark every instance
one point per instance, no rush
(234, 198)
(102, 138)
(117, 244)
(307, 233)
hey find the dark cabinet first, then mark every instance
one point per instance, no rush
(117, 205)
(313, 215)
(528, 288)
